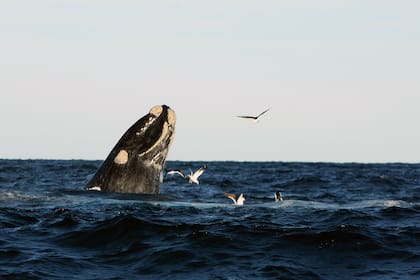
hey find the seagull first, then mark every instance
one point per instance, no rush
(255, 118)
(278, 197)
(193, 177)
(237, 201)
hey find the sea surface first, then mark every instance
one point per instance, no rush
(337, 221)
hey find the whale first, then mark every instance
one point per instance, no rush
(135, 163)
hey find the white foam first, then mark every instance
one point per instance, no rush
(13, 195)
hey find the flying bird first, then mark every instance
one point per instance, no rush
(278, 197)
(237, 201)
(255, 118)
(192, 177)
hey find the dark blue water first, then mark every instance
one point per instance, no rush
(346, 221)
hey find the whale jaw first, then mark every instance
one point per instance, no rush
(135, 163)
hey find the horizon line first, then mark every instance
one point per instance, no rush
(229, 160)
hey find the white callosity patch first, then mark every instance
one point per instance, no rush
(171, 117)
(122, 157)
(156, 110)
(154, 113)
(146, 126)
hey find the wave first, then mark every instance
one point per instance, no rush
(156, 247)
(84, 197)
(355, 220)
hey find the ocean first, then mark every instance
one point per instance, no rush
(337, 221)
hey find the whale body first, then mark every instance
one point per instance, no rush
(135, 163)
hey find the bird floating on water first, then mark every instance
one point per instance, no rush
(255, 118)
(237, 201)
(278, 197)
(192, 177)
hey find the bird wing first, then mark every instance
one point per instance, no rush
(240, 200)
(179, 172)
(231, 196)
(247, 117)
(199, 172)
(263, 113)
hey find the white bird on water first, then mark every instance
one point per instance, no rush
(193, 177)
(278, 197)
(255, 118)
(237, 201)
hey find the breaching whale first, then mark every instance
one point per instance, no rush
(135, 164)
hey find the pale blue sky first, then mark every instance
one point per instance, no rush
(342, 77)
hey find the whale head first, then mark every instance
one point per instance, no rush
(135, 163)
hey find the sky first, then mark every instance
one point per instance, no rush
(342, 78)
